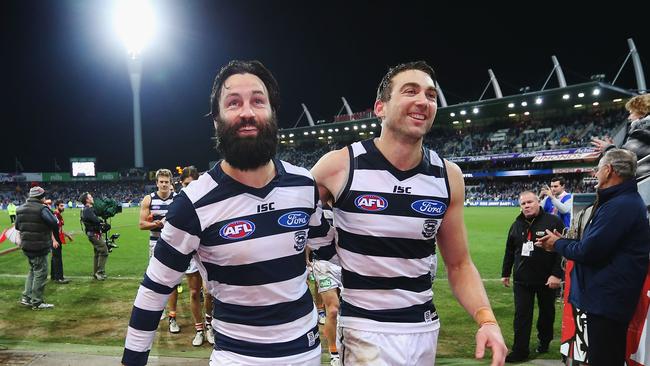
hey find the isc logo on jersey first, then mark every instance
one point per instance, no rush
(429, 207)
(371, 202)
(294, 219)
(237, 230)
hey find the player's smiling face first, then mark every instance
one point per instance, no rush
(412, 105)
(244, 103)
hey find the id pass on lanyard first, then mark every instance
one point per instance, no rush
(528, 246)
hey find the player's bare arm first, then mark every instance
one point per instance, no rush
(464, 278)
(331, 174)
(145, 213)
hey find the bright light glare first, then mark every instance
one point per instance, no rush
(135, 23)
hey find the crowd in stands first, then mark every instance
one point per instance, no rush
(527, 135)
(508, 190)
(121, 191)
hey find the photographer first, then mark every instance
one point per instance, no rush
(93, 228)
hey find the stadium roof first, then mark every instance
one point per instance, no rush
(548, 103)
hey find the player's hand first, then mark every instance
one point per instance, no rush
(505, 281)
(159, 223)
(489, 335)
(55, 244)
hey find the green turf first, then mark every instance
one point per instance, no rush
(96, 313)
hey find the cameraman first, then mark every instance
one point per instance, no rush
(93, 228)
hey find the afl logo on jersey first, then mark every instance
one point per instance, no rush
(371, 202)
(429, 207)
(294, 219)
(237, 230)
(156, 207)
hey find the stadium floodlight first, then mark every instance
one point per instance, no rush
(463, 112)
(134, 22)
(511, 105)
(581, 95)
(306, 133)
(347, 128)
(577, 106)
(595, 92)
(355, 128)
(329, 130)
(455, 122)
(290, 135)
(512, 115)
(524, 103)
(452, 114)
(373, 125)
(595, 104)
(475, 110)
(526, 113)
(291, 141)
(363, 126)
(538, 100)
(566, 96)
(313, 132)
(282, 136)
(336, 130)
(617, 100)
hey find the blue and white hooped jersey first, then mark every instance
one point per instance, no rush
(386, 221)
(159, 208)
(249, 245)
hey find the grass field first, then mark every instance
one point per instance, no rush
(96, 313)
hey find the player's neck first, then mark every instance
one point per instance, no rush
(256, 178)
(164, 196)
(402, 154)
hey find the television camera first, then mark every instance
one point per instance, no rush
(105, 209)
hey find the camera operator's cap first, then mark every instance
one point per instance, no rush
(36, 192)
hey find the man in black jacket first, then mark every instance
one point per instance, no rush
(93, 229)
(536, 273)
(37, 225)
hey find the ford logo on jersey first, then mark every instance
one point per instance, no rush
(294, 219)
(237, 230)
(371, 202)
(429, 207)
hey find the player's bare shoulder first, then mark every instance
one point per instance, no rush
(331, 171)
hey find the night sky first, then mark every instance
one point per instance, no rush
(66, 91)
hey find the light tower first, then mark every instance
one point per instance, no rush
(134, 22)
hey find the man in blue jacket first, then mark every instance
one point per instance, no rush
(611, 259)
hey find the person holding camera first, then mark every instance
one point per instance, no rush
(557, 201)
(93, 228)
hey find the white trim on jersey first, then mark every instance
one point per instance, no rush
(148, 299)
(244, 204)
(435, 159)
(270, 333)
(252, 251)
(292, 169)
(421, 185)
(183, 241)
(379, 225)
(374, 266)
(386, 299)
(200, 187)
(138, 340)
(261, 295)
(358, 149)
(160, 273)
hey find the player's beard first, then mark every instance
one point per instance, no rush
(247, 153)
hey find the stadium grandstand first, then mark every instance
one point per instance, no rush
(503, 145)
